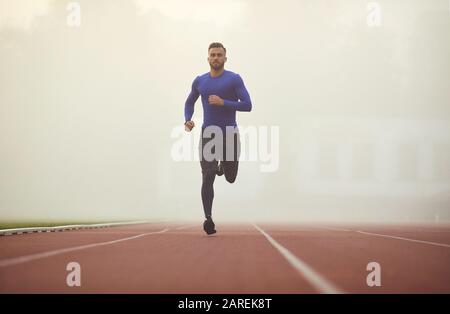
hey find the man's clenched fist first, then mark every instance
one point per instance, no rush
(215, 100)
(189, 125)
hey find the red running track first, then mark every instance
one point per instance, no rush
(246, 258)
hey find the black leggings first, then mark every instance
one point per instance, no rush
(209, 167)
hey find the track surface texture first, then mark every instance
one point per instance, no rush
(240, 258)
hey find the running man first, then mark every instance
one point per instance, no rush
(223, 93)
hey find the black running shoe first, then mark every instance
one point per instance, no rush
(219, 170)
(209, 226)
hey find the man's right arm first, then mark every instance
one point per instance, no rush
(190, 101)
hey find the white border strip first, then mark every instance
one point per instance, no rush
(314, 278)
(7, 232)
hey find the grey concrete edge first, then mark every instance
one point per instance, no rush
(17, 231)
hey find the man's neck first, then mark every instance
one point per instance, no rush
(216, 73)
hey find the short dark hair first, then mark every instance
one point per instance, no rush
(217, 45)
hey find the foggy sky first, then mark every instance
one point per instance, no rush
(86, 113)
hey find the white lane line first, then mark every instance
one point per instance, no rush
(186, 227)
(334, 229)
(390, 236)
(32, 257)
(405, 239)
(314, 278)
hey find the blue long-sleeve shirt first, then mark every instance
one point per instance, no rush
(230, 87)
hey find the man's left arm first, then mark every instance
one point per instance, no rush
(244, 103)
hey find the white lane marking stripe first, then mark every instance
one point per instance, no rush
(314, 278)
(406, 239)
(334, 229)
(185, 227)
(390, 236)
(32, 257)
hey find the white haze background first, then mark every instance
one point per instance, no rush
(86, 113)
